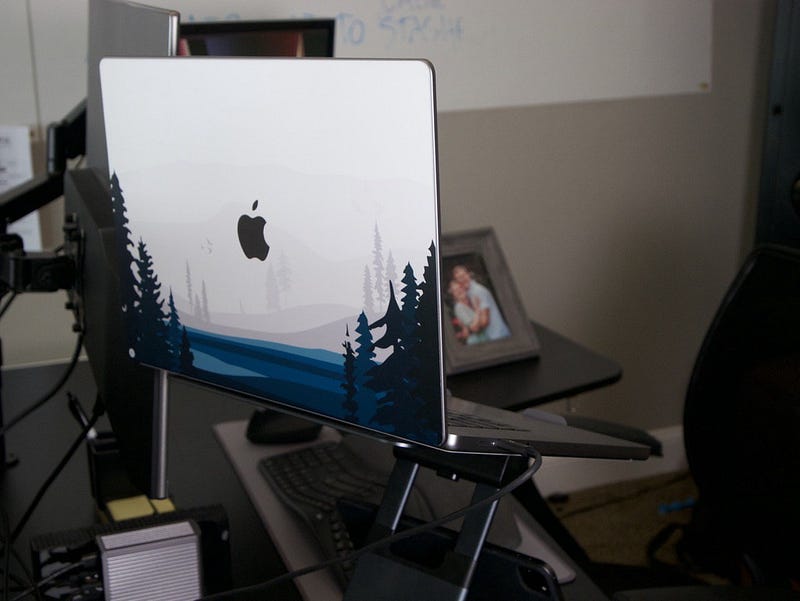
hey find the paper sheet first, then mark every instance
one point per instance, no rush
(16, 167)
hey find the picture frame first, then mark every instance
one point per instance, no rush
(484, 321)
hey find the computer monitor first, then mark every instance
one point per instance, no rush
(123, 28)
(257, 38)
(116, 28)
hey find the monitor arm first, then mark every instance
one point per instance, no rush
(66, 139)
(42, 271)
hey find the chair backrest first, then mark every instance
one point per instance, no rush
(742, 416)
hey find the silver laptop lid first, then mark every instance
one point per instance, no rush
(278, 231)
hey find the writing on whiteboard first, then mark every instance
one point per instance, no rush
(411, 21)
(396, 24)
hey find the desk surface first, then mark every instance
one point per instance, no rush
(563, 369)
(41, 440)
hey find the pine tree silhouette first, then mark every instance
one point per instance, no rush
(393, 379)
(391, 270)
(174, 332)
(349, 405)
(407, 383)
(154, 335)
(427, 355)
(186, 357)
(379, 278)
(369, 295)
(409, 311)
(392, 320)
(124, 247)
(189, 293)
(364, 364)
(206, 316)
(152, 342)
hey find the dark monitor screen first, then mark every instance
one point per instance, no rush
(297, 38)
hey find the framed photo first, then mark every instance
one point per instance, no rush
(484, 321)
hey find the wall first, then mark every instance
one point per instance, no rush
(622, 220)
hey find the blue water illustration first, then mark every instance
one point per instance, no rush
(311, 379)
(279, 372)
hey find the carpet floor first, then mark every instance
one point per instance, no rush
(616, 525)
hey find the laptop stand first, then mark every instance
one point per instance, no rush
(442, 564)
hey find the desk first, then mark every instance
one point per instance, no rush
(563, 369)
(41, 440)
(297, 550)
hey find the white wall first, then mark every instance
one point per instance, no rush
(622, 220)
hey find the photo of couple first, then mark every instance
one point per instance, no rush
(474, 313)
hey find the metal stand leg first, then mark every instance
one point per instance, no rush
(386, 576)
(159, 484)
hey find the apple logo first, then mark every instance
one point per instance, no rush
(251, 236)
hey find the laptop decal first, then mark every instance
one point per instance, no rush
(302, 273)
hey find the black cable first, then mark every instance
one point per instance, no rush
(7, 304)
(61, 381)
(6, 552)
(30, 586)
(514, 447)
(35, 587)
(96, 412)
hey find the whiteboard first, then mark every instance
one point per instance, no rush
(515, 52)
(487, 54)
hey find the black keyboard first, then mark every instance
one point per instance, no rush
(311, 481)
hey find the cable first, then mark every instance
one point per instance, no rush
(514, 447)
(34, 588)
(6, 552)
(96, 412)
(61, 381)
(8, 304)
(30, 586)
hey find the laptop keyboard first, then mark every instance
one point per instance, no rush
(310, 481)
(467, 420)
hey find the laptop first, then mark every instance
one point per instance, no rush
(277, 228)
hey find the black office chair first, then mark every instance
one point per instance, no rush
(742, 438)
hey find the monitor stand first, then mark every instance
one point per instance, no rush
(159, 487)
